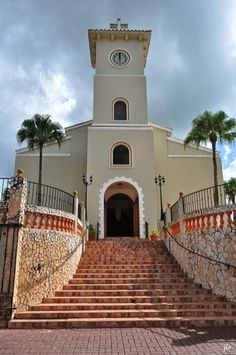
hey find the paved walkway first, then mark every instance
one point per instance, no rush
(135, 341)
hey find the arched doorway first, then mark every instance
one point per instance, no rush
(120, 216)
(121, 210)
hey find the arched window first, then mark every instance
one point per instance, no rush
(121, 155)
(120, 111)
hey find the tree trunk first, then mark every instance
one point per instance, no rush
(39, 197)
(216, 194)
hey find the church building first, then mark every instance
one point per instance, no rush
(120, 152)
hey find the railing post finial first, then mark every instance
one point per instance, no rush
(75, 194)
(19, 172)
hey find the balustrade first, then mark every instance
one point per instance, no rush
(210, 220)
(36, 220)
(175, 229)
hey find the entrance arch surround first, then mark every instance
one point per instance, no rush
(140, 199)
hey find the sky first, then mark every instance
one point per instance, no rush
(45, 63)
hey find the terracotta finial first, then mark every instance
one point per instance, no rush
(181, 194)
(168, 205)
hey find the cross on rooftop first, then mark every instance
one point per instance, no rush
(118, 25)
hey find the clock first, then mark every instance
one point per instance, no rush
(120, 58)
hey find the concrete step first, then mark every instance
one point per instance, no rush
(128, 262)
(129, 270)
(134, 299)
(126, 275)
(124, 280)
(133, 292)
(131, 286)
(166, 266)
(122, 322)
(129, 306)
(131, 313)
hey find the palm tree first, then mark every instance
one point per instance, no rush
(212, 127)
(230, 189)
(38, 131)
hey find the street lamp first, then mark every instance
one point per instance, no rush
(86, 183)
(160, 181)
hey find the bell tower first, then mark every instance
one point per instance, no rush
(119, 55)
(120, 140)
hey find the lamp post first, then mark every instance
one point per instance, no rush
(86, 183)
(160, 181)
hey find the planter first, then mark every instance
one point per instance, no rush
(154, 237)
(92, 232)
(92, 237)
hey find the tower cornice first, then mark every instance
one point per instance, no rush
(120, 34)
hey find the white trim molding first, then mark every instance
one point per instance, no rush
(163, 128)
(78, 125)
(22, 150)
(189, 156)
(33, 155)
(123, 75)
(124, 127)
(140, 201)
(180, 141)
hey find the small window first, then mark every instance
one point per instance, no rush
(121, 155)
(120, 111)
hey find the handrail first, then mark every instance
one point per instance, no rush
(196, 253)
(51, 197)
(174, 211)
(214, 196)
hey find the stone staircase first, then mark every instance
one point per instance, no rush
(128, 282)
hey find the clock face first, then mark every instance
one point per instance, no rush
(120, 58)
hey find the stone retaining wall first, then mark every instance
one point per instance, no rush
(216, 243)
(46, 261)
(48, 248)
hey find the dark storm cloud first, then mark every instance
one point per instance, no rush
(45, 63)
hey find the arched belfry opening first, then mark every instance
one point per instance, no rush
(121, 210)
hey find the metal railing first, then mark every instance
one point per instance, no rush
(51, 197)
(174, 211)
(210, 197)
(146, 230)
(5, 184)
(79, 212)
(97, 232)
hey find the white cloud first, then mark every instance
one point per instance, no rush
(174, 61)
(226, 153)
(231, 43)
(48, 92)
(59, 98)
(230, 171)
